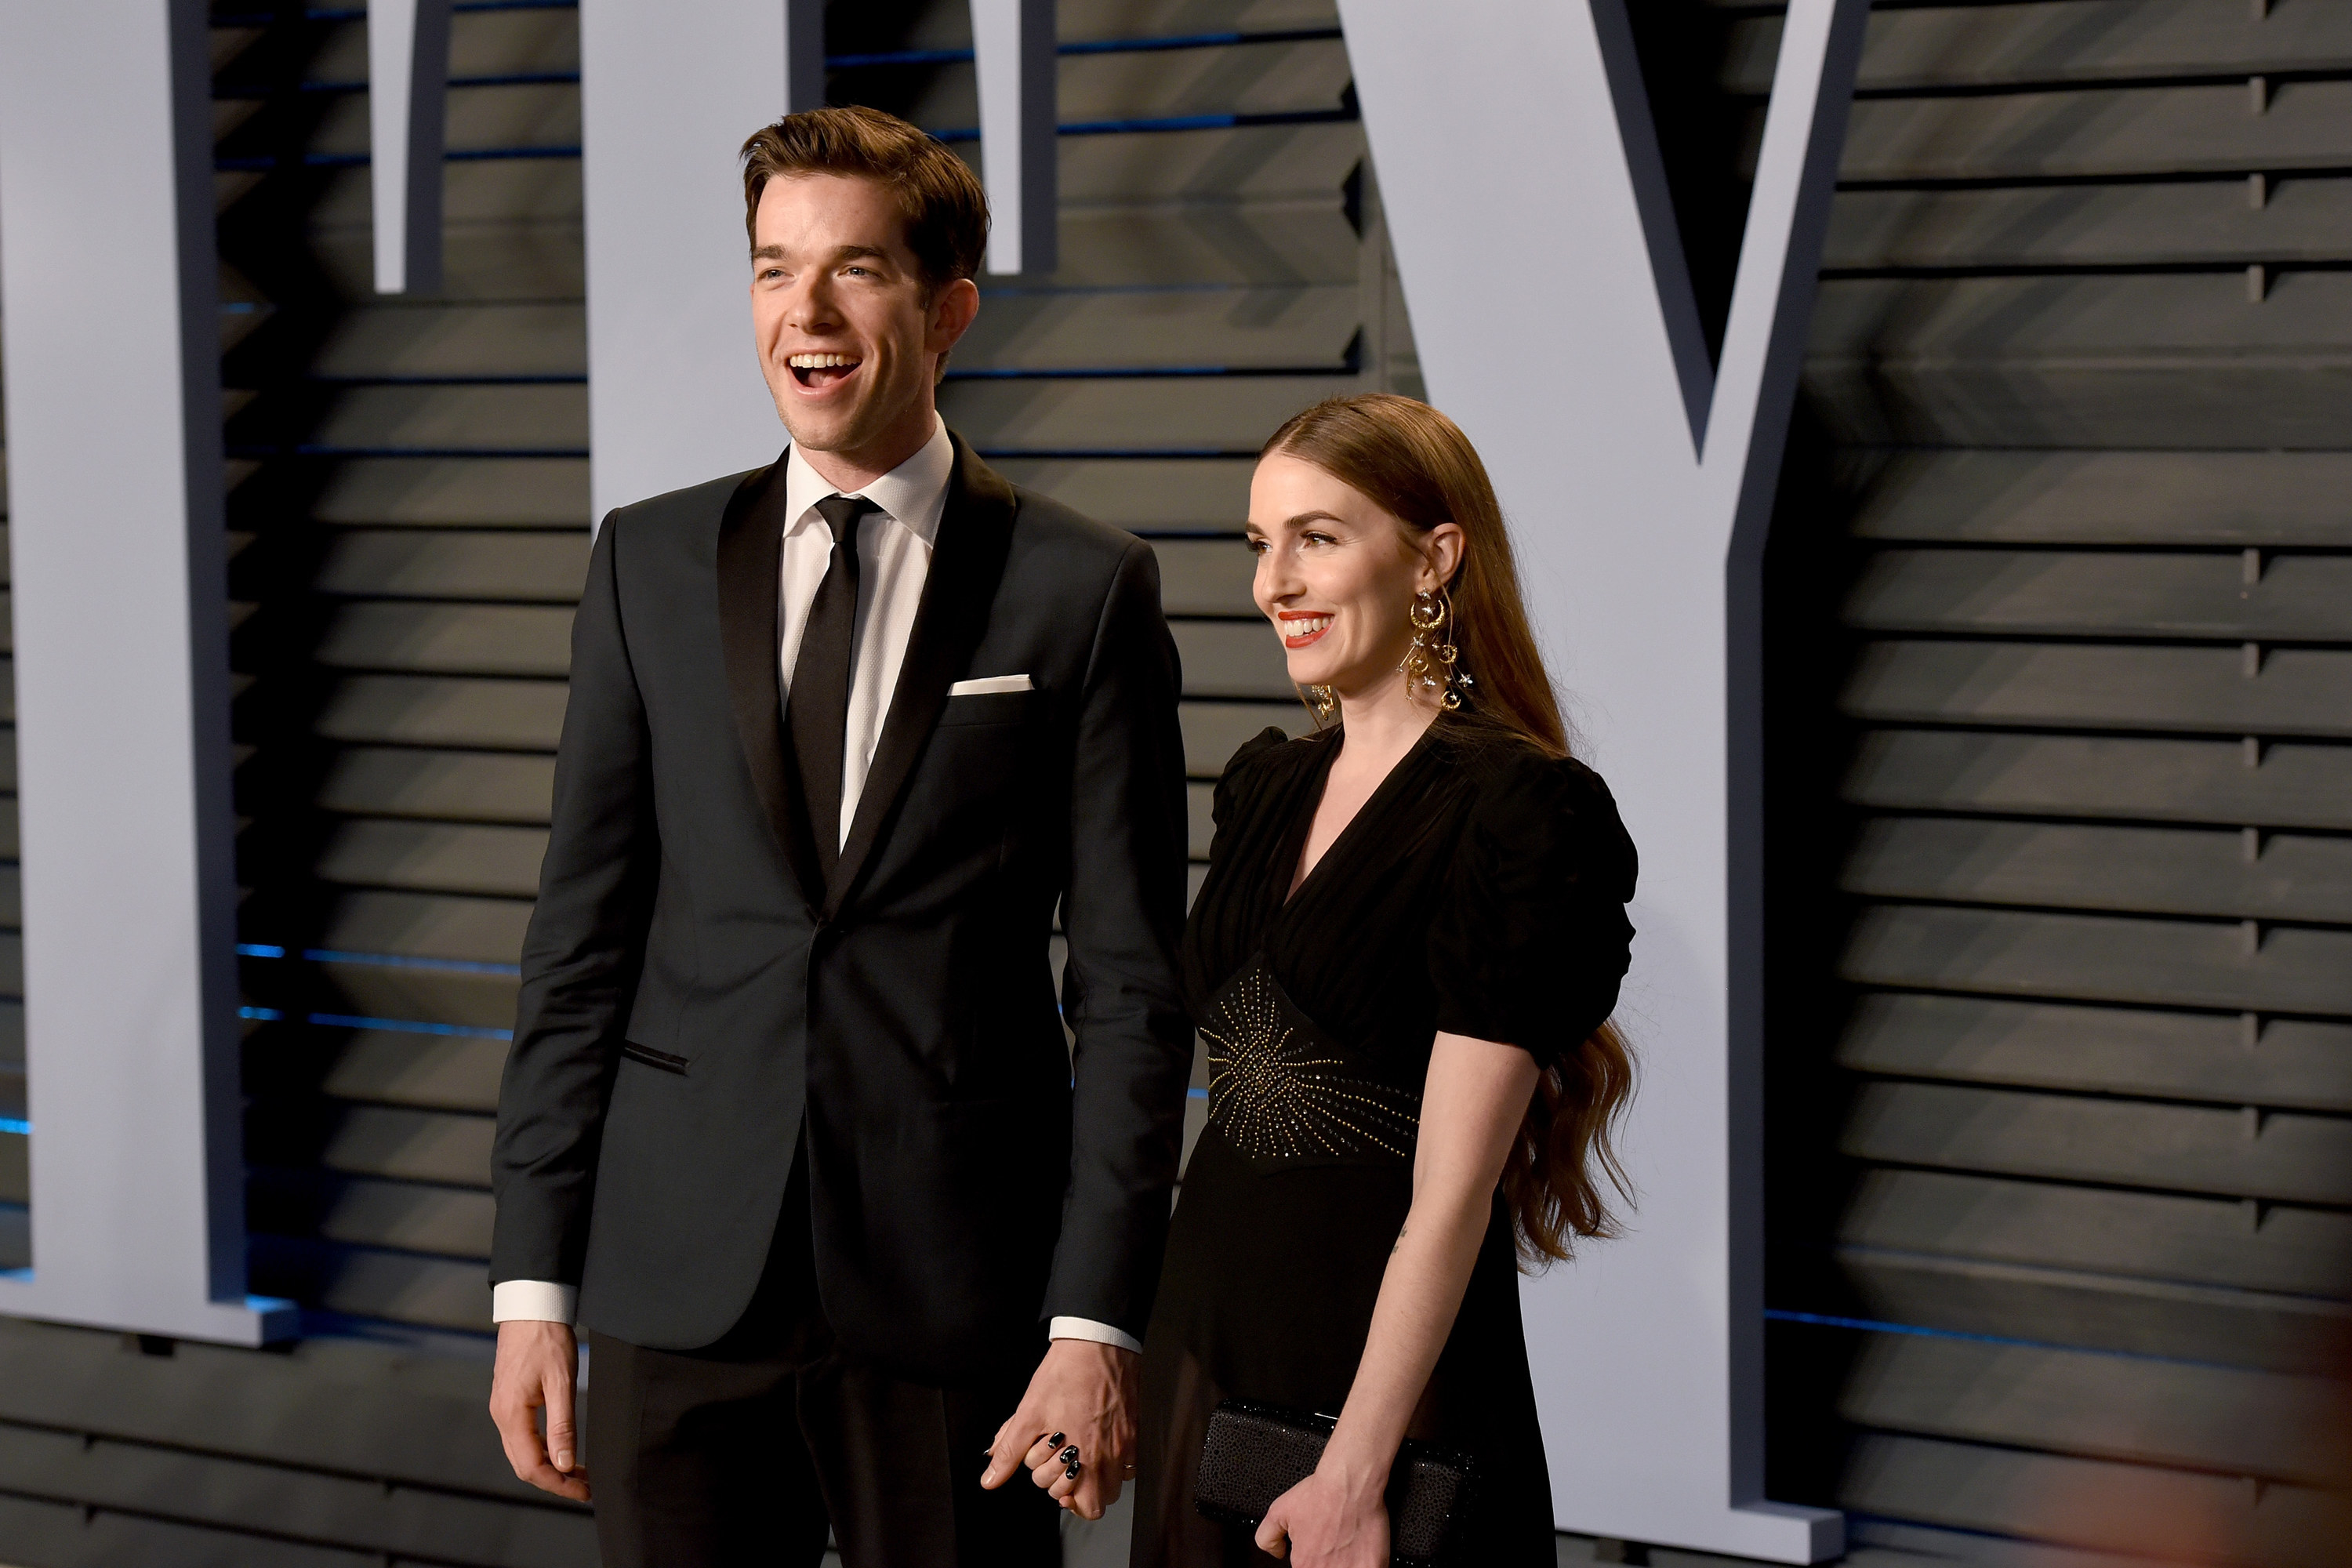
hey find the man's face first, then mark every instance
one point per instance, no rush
(847, 338)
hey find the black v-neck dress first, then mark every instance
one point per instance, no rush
(1480, 891)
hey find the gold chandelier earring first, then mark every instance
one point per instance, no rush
(1432, 663)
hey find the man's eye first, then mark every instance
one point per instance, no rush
(859, 271)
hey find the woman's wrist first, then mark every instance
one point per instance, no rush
(1359, 1469)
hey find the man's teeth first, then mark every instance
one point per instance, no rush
(821, 361)
(1307, 628)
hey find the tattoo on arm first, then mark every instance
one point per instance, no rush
(1400, 1240)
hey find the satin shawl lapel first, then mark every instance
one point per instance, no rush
(751, 557)
(967, 563)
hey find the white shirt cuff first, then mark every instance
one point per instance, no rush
(537, 1300)
(1088, 1329)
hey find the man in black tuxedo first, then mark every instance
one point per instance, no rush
(789, 1123)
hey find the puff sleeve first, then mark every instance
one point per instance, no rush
(1531, 939)
(1228, 791)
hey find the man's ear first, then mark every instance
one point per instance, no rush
(953, 309)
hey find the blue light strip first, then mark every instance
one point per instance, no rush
(380, 960)
(1915, 1331)
(22, 1128)
(408, 1026)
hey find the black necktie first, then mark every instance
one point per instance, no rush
(817, 710)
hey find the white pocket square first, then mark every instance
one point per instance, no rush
(990, 683)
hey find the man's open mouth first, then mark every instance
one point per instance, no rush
(820, 371)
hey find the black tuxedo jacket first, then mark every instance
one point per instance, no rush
(695, 1001)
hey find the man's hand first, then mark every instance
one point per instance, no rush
(536, 1363)
(1084, 1395)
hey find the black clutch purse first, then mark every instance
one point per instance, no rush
(1255, 1453)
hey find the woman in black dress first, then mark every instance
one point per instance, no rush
(1402, 963)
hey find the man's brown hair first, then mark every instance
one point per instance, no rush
(946, 211)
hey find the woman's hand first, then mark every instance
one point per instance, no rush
(1329, 1521)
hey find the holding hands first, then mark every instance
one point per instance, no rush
(1075, 1429)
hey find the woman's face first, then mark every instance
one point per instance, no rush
(1336, 573)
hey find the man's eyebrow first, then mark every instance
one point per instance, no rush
(767, 253)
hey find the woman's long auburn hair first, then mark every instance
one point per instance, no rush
(1414, 461)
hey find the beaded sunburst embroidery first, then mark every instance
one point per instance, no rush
(1276, 1091)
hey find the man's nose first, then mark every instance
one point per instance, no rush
(810, 306)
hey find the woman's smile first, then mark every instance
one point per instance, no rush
(1301, 630)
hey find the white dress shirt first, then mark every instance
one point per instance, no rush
(894, 549)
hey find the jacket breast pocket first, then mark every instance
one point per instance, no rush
(988, 708)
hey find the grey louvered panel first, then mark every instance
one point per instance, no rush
(2284, 785)
(48, 1530)
(1185, 495)
(465, 999)
(434, 856)
(2298, 692)
(411, 710)
(525, 418)
(2070, 40)
(2101, 958)
(335, 1403)
(1094, 19)
(423, 1072)
(447, 639)
(1242, 329)
(439, 341)
(1954, 322)
(2091, 133)
(296, 1506)
(396, 1287)
(1200, 828)
(479, 261)
(2095, 1504)
(470, 492)
(418, 925)
(12, 964)
(529, 42)
(7, 690)
(2177, 360)
(2171, 1055)
(16, 1235)
(2257, 1331)
(2153, 870)
(480, 119)
(2227, 1419)
(1214, 732)
(1205, 576)
(1226, 416)
(1208, 241)
(479, 787)
(15, 1170)
(2158, 1235)
(362, 1211)
(2182, 223)
(410, 1145)
(2158, 498)
(494, 191)
(454, 564)
(2293, 1158)
(1232, 659)
(1260, 78)
(2298, 598)
(1254, 164)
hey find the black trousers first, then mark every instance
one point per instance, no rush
(744, 1452)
